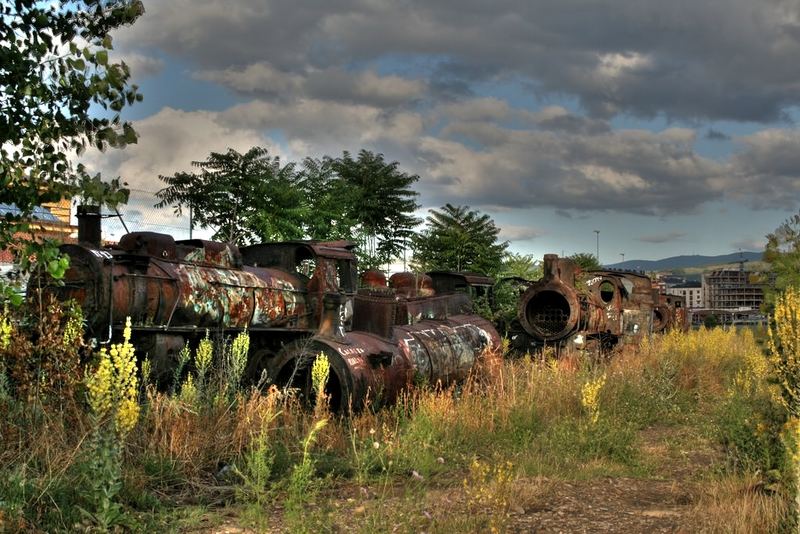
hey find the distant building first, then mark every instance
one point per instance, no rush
(693, 292)
(50, 221)
(733, 289)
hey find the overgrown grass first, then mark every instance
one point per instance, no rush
(485, 448)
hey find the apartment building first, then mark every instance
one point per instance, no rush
(693, 292)
(733, 289)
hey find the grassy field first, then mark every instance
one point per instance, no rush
(690, 432)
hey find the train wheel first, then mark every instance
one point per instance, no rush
(256, 372)
(291, 370)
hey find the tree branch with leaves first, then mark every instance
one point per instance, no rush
(54, 66)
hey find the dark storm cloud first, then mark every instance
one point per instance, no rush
(409, 79)
(698, 60)
(767, 169)
(335, 84)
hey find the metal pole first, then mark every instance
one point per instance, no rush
(598, 245)
(623, 256)
(190, 220)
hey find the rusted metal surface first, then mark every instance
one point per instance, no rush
(681, 319)
(89, 231)
(663, 316)
(373, 278)
(412, 284)
(551, 308)
(164, 285)
(465, 282)
(628, 303)
(298, 295)
(367, 367)
(375, 312)
(595, 310)
(670, 313)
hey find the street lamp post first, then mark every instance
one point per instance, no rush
(623, 256)
(598, 245)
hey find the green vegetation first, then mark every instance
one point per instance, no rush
(230, 193)
(251, 197)
(75, 450)
(459, 239)
(586, 261)
(782, 254)
(54, 66)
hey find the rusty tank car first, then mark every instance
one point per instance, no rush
(594, 311)
(295, 299)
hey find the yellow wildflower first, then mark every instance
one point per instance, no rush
(189, 391)
(73, 330)
(113, 387)
(6, 329)
(203, 355)
(99, 386)
(320, 371)
(238, 356)
(590, 396)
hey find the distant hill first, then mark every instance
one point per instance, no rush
(686, 262)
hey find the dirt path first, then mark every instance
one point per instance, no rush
(609, 505)
(662, 502)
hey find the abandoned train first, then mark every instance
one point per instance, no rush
(301, 298)
(596, 311)
(296, 300)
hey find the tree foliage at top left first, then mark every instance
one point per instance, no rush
(55, 75)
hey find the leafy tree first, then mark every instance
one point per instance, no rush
(459, 239)
(245, 198)
(782, 253)
(710, 321)
(54, 66)
(522, 266)
(327, 215)
(586, 261)
(379, 204)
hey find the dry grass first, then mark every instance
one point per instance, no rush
(739, 505)
(514, 419)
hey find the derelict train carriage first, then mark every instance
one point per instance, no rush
(296, 299)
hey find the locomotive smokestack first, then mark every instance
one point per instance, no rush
(89, 230)
(555, 268)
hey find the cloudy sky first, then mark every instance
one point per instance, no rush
(667, 126)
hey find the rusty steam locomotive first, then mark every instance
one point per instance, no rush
(296, 299)
(594, 311)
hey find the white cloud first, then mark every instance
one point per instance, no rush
(168, 142)
(364, 87)
(512, 232)
(141, 66)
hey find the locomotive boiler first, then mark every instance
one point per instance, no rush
(295, 299)
(594, 310)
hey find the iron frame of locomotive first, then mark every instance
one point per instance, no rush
(296, 299)
(595, 311)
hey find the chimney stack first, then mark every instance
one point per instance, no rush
(89, 231)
